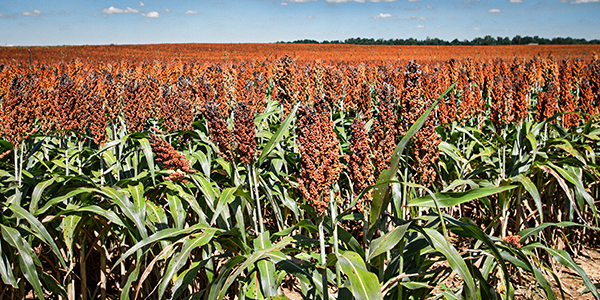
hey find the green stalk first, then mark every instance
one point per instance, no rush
(323, 259)
(67, 157)
(82, 269)
(261, 224)
(79, 163)
(17, 177)
(333, 206)
(401, 267)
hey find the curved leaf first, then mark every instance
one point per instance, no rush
(451, 199)
(364, 284)
(281, 131)
(457, 263)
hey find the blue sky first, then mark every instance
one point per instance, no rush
(93, 22)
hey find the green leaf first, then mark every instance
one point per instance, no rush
(176, 208)
(60, 199)
(279, 134)
(266, 268)
(177, 262)
(388, 241)
(451, 199)
(147, 150)
(130, 279)
(364, 284)
(137, 195)
(533, 191)
(5, 269)
(525, 233)
(38, 191)
(186, 277)
(226, 197)
(225, 279)
(38, 228)
(166, 234)
(69, 224)
(121, 199)
(439, 243)
(13, 237)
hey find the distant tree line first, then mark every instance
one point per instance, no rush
(487, 40)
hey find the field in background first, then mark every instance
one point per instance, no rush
(378, 172)
(242, 52)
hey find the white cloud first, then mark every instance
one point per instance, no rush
(63, 12)
(311, 17)
(382, 16)
(516, 1)
(142, 3)
(152, 14)
(191, 12)
(113, 10)
(420, 26)
(166, 10)
(415, 18)
(476, 28)
(284, 3)
(494, 10)
(33, 13)
(413, 0)
(581, 1)
(430, 6)
(300, 1)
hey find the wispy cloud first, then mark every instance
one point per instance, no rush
(382, 16)
(420, 26)
(33, 13)
(191, 12)
(63, 12)
(113, 10)
(516, 1)
(494, 11)
(414, 18)
(152, 15)
(6, 16)
(142, 3)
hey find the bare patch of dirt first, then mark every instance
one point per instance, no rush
(571, 281)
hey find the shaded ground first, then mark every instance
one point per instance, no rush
(572, 284)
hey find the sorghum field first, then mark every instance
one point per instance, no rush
(200, 171)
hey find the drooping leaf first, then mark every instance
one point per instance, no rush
(451, 199)
(13, 237)
(279, 134)
(455, 261)
(365, 285)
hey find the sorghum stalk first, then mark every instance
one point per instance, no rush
(334, 222)
(258, 206)
(323, 258)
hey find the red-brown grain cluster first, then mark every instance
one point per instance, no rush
(221, 136)
(319, 149)
(245, 132)
(170, 158)
(359, 163)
